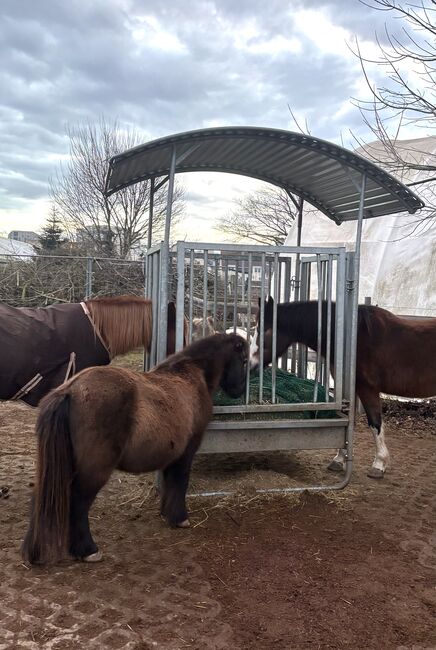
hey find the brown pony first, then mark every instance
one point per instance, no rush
(396, 356)
(107, 418)
(42, 347)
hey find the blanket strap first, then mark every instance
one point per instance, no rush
(71, 369)
(27, 387)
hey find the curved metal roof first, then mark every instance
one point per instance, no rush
(322, 173)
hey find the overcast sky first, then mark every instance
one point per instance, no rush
(166, 67)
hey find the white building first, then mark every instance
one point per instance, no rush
(16, 249)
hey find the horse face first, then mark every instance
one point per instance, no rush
(235, 371)
(281, 339)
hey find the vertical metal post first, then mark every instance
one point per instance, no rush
(248, 323)
(180, 296)
(226, 281)
(286, 298)
(235, 295)
(205, 263)
(274, 329)
(215, 289)
(164, 263)
(88, 280)
(319, 333)
(262, 327)
(155, 265)
(329, 326)
(297, 259)
(340, 328)
(354, 290)
(148, 262)
(150, 214)
(191, 292)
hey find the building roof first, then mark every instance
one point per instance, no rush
(14, 248)
(322, 173)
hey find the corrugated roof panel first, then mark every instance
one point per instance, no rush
(322, 173)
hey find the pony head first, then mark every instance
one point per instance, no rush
(234, 376)
(282, 338)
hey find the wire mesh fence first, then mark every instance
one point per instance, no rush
(40, 280)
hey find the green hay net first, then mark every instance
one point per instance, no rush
(289, 390)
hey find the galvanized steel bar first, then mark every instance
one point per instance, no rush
(191, 291)
(164, 265)
(339, 326)
(329, 325)
(180, 296)
(354, 328)
(150, 215)
(286, 298)
(155, 301)
(274, 408)
(88, 281)
(274, 329)
(248, 323)
(205, 263)
(262, 326)
(226, 283)
(319, 331)
(215, 289)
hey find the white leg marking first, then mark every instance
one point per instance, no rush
(94, 557)
(381, 459)
(338, 462)
(340, 457)
(254, 350)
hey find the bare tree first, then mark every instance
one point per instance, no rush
(407, 96)
(264, 217)
(111, 225)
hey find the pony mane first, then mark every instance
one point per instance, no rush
(124, 322)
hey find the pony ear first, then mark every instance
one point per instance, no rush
(210, 320)
(269, 304)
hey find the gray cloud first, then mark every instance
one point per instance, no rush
(68, 62)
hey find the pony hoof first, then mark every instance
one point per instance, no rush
(374, 472)
(335, 466)
(94, 557)
(184, 524)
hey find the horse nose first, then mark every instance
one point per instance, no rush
(254, 363)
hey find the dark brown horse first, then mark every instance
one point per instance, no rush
(396, 356)
(40, 348)
(107, 418)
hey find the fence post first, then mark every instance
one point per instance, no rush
(88, 281)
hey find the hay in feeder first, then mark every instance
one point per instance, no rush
(290, 389)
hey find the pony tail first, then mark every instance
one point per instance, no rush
(47, 537)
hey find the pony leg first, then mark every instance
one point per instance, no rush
(175, 484)
(82, 545)
(381, 458)
(338, 462)
(372, 404)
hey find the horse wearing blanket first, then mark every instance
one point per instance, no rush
(42, 347)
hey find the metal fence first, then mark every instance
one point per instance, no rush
(40, 280)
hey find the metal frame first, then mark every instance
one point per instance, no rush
(235, 435)
(346, 186)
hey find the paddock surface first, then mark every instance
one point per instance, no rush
(354, 569)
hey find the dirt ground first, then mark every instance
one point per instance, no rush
(351, 569)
